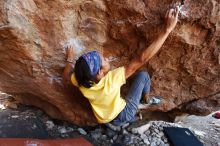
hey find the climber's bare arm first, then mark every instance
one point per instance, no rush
(69, 65)
(171, 18)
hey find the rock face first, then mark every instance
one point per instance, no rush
(32, 58)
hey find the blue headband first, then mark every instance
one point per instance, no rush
(94, 61)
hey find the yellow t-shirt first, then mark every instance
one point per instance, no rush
(105, 96)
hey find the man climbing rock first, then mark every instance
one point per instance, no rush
(92, 75)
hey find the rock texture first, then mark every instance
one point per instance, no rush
(32, 58)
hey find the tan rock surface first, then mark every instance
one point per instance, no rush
(32, 58)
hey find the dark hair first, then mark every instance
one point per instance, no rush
(82, 73)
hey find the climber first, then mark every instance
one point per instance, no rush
(101, 86)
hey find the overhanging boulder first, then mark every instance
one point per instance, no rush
(32, 58)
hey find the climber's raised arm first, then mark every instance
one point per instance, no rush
(69, 65)
(171, 18)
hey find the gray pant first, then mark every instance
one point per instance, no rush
(139, 87)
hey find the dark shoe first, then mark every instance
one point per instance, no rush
(113, 127)
(110, 133)
(126, 139)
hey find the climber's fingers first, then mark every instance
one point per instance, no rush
(177, 10)
(70, 49)
(170, 13)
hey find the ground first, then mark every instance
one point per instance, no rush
(30, 122)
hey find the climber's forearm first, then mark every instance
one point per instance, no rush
(171, 21)
(154, 47)
(69, 65)
(148, 52)
(67, 73)
(171, 18)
